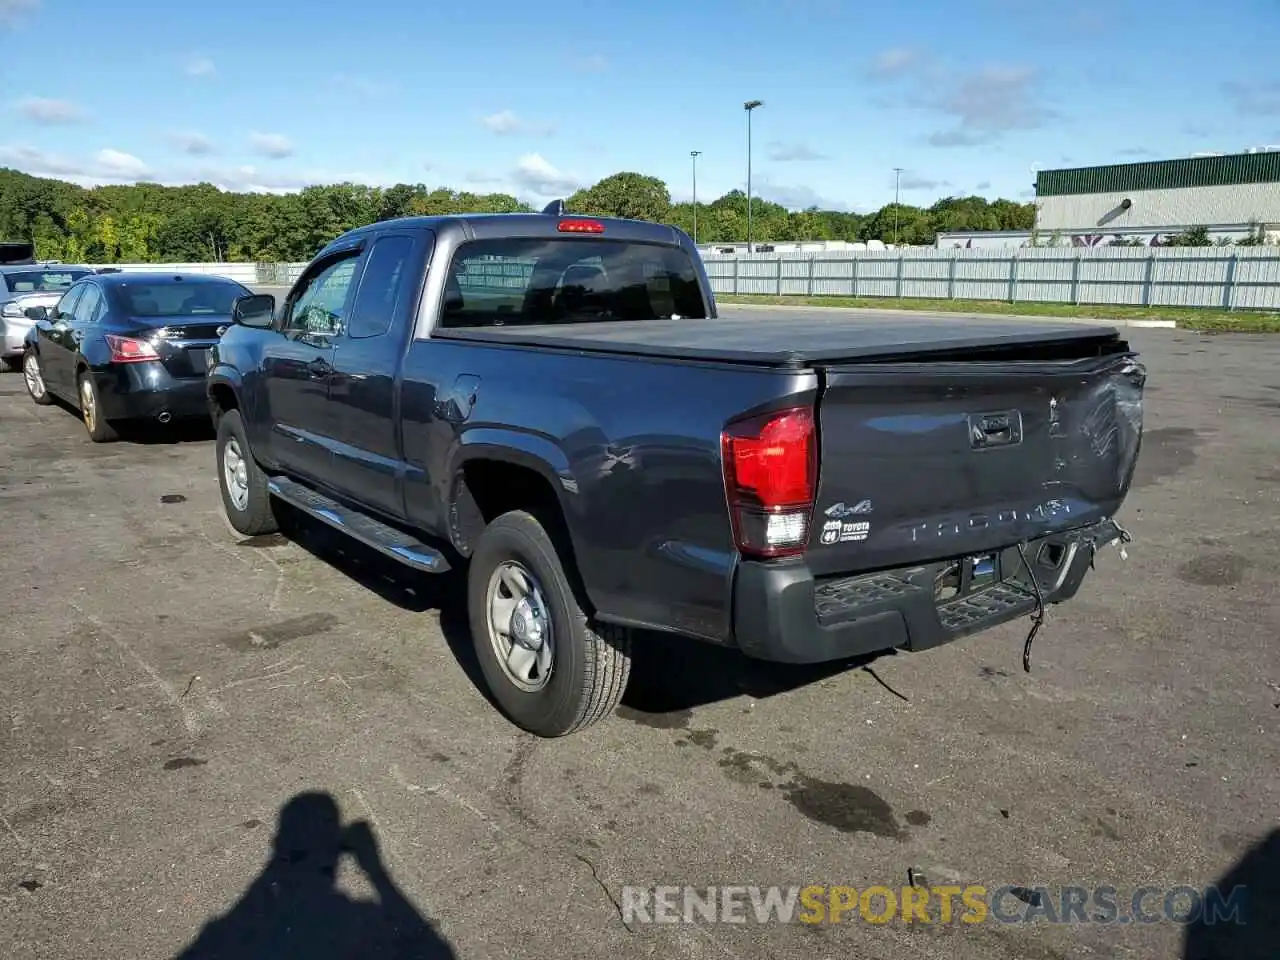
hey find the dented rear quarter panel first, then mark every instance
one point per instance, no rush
(631, 447)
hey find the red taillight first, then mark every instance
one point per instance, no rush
(581, 226)
(130, 349)
(770, 474)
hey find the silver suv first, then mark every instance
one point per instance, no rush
(26, 285)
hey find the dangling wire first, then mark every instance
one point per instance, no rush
(1037, 618)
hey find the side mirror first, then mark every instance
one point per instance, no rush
(36, 314)
(256, 310)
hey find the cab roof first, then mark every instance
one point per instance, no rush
(497, 226)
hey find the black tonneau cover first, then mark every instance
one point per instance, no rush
(787, 340)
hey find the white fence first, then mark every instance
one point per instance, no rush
(1241, 278)
(1236, 278)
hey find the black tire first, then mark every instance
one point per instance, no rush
(257, 516)
(100, 430)
(591, 661)
(44, 398)
(13, 364)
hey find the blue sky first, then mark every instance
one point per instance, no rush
(538, 98)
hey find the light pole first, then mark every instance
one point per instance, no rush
(897, 181)
(749, 106)
(694, 155)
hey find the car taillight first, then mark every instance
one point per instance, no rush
(130, 349)
(770, 474)
(581, 226)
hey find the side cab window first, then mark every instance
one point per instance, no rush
(91, 305)
(319, 305)
(381, 287)
(66, 306)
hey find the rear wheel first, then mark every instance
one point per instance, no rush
(34, 378)
(245, 496)
(13, 364)
(551, 669)
(100, 431)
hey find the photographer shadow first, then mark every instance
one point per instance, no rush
(295, 909)
(1254, 934)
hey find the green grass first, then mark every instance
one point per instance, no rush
(1192, 318)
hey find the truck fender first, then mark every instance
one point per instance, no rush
(532, 451)
(221, 378)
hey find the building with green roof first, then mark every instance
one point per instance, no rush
(1227, 192)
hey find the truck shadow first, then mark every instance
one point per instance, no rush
(294, 907)
(396, 583)
(1255, 932)
(669, 674)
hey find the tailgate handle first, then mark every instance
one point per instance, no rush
(1000, 429)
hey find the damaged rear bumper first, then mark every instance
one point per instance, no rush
(783, 613)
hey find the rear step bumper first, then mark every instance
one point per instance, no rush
(373, 533)
(782, 613)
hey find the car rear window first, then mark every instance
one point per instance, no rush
(42, 281)
(178, 299)
(535, 281)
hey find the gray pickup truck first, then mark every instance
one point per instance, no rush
(552, 403)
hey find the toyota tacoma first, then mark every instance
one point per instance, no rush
(552, 403)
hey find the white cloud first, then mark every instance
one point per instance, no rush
(797, 198)
(359, 86)
(196, 144)
(534, 174)
(200, 67)
(50, 112)
(106, 166)
(788, 152)
(894, 62)
(912, 181)
(274, 145)
(505, 123)
(116, 164)
(1254, 99)
(39, 163)
(11, 10)
(987, 104)
(595, 63)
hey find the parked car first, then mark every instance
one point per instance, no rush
(552, 402)
(25, 284)
(128, 346)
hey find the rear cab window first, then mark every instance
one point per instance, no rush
(42, 281)
(535, 281)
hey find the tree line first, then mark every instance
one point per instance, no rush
(151, 223)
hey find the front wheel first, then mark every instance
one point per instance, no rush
(245, 496)
(34, 378)
(550, 668)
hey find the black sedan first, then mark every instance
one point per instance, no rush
(129, 346)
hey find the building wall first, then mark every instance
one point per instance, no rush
(1184, 207)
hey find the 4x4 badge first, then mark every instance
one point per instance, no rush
(838, 511)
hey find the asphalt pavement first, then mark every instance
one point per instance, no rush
(284, 738)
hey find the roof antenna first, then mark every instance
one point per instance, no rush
(554, 209)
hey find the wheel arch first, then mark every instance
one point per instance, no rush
(488, 479)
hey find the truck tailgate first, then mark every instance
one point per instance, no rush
(928, 461)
